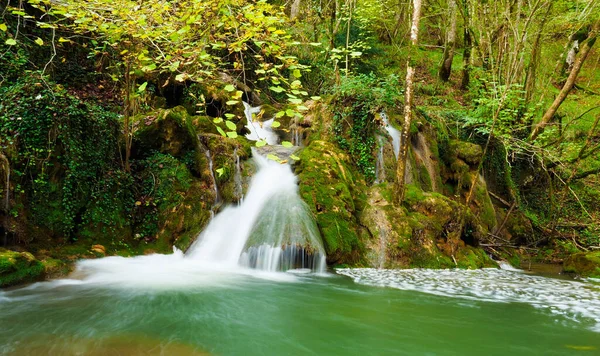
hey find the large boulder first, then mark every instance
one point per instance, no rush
(335, 194)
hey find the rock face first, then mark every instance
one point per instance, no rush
(18, 267)
(361, 227)
(583, 264)
(335, 195)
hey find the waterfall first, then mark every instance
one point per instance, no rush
(214, 181)
(271, 229)
(238, 191)
(394, 134)
(258, 130)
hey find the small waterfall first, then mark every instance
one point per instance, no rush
(237, 178)
(258, 130)
(271, 229)
(394, 134)
(214, 182)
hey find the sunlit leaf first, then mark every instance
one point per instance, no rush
(11, 42)
(230, 125)
(287, 144)
(275, 124)
(260, 143)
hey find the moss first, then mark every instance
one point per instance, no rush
(19, 267)
(334, 193)
(169, 131)
(583, 264)
(469, 152)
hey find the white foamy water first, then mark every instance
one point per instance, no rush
(395, 134)
(258, 130)
(572, 299)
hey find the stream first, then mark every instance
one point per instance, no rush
(190, 309)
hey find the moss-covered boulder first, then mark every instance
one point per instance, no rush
(466, 151)
(19, 267)
(169, 131)
(423, 234)
(335, 194)
(583, 264)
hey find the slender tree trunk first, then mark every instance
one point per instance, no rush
(464, 84)
(549, 114)
(6, 198)
(446, 67)
(408, 100)
(535, 57)
(295, 9)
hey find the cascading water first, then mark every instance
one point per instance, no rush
(214, 182)
(237, 178)
(394, 134)
(271, 229)
(259, 131)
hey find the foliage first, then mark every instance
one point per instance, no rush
(61, 149)
(357, 100)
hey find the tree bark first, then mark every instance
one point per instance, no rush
(446, 67)
(295, 9)
(408, 100)
(468, 43)
(566, 89)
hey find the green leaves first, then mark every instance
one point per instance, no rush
(287, 144)
(11, 42)
(260, 143)
(3, 27)
(39, 41)
(229, 88)
(142, 87)
(230, 125)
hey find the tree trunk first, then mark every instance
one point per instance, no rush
(535, 58)
(408, 99)
(549, 114)
(446, 67)
(295, 9)
(464, 84)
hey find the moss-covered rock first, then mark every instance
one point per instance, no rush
(467, 151)
(169, 131)
(19, 267)
(334, 193)
(425, 234)
(583, 264)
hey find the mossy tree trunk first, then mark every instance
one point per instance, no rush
(408, 100)
(448, 57)
(468, 45)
